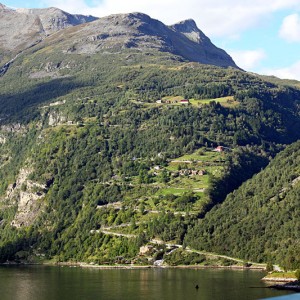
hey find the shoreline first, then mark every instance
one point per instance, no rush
(131, 267)
(279, 279)
(286, 287)
(293, 286)
(287, 283)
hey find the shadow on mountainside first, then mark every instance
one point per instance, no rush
(22, 106)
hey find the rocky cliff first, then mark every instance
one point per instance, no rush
(139, 31)
(22, 28)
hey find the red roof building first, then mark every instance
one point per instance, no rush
(184, 101)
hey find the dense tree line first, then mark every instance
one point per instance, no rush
(110, 126)
(259, 220)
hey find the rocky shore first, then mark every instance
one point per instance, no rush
(291, 286)
(284, 282)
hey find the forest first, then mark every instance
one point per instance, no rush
(257, 220)
(100, 155)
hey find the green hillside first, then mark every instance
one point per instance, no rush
(260, 220)
(98, 156)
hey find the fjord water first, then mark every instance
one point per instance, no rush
(45, 283)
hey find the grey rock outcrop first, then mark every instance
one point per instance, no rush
(139, 31)
(26, 195)
(22, 28)
(53, 19)
(56, 119)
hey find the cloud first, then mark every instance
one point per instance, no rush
(249, 59)
(290, 28)
(291, 72)
(215, 17)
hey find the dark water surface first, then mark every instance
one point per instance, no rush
(66, 283)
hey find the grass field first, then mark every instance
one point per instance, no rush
(183, 178)
(172, 190)
(202, 155)
(224, 101)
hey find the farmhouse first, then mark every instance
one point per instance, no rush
(222, 149)
(219, 149)
(184, 101)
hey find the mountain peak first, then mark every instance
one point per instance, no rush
(22, 27)
(138, 15)
(190, 30)
(4, 8)
(129, 19)
(188, 24)
(39, 10)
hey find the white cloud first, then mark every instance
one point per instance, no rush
(291, 72)
(290, 28)
(214, 17)
(249, 59)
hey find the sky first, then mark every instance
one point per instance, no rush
(262, 36)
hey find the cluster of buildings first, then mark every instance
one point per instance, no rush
(182, 101)
(191, 172)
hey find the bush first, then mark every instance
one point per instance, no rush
(297, 274)
(269, 267)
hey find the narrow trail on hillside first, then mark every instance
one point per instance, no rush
(107, 230)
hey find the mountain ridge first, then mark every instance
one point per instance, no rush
(118, 124)
(132, 30)
(272, 194)
(21, 28)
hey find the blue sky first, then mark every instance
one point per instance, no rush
(262, 36)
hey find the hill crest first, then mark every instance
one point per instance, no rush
(119, 31)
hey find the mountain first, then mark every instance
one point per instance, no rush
(115, 134)
(22, 28)
(140, 32)
(114, 32)
(258, 221)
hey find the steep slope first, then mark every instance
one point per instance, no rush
(53, 19)
(139, 31)
(87, 147)
(22, 28)
(109, 33)
(95, 137)
(203, 50)
(260, 220)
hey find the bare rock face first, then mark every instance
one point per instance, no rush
(56, 119)
(26, 195)
(13, 128)
(191, 31)
(138, 31)
(18, 31)
(3, 7)
(54, 19)
(200, 48)
(2, 139)
(22, 28)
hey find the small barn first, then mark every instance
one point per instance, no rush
(184, 101)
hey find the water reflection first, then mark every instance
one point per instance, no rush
(45, 283)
